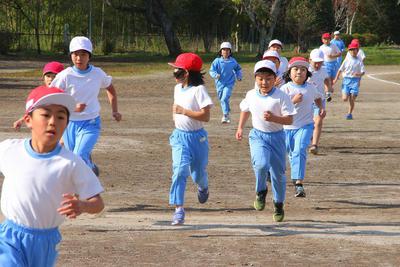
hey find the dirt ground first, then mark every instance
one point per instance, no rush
(350, 217)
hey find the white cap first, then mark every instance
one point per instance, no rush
(275, 41)
(271, 53)
(336, 32)
(80, 43)
(265, 64)
(226, 45)
(317, 55)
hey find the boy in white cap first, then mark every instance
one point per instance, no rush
(83, 81)
(298, 135)
(320, 79)
(43, 183)
(276, 45)
(273, 56)
(189, 140)
(353, 69)
(340, 44)
(270, 108)
(225, 71)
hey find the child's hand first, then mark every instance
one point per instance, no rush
(176, 109)
(322, 113)
(278, 81)
(334, 81)
(117, 116)
(17, 125)
(70, 206)
(268, 115)
(297, 98)
(80, 107)
(239, 134)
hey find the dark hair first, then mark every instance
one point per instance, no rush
(219, 54)
(286, 76)
(195, 78)
(68, 114)
(265, 70)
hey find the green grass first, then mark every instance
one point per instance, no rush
(141, 63)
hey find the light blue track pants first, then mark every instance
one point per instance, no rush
(268, 155)
(189, 158)
(297, 142)
(224, 95)
(80, 137)
(27, 247)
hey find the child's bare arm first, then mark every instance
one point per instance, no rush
(322, 112)
(285, 120)
(244, 116)
(72, 206)
(112, 97)
(337, 77)
(202, 115)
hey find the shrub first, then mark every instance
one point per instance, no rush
(6, 40)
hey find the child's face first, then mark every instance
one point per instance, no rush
(48, 78)
(225, 52)
(298, 75)
(276, 47)
(265, 81)
(47, 124)
(80, 59)
(315, 65)
(180, 75)
(326, 41)
(353, 52)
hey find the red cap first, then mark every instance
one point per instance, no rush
(298, 62)
(53, 67)
(356, 41)
(326, 35)
(188, 61)
(43, 96)
(353, 45)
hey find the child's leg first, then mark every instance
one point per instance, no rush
(278, 167)
(86, 138)
(22, 246)
(200, 149)
(260, 158)
(224, 94)
(180, 164)
(352, 101)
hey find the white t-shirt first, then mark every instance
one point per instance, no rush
(84, 86)
(318, 78)
(276, 101)
(194, 98)
(283, 65)
(350, 66)
(360, 54)
(304, 109)
(34, 183)
(329, 50)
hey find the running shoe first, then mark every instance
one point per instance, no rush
(179, 217)
(259, 203)
(202, 195)
(279, 213)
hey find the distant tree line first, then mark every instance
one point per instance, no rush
(114, 25)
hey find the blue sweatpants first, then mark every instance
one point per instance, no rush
(268, 155)
(189, 157)
(80, 137)
(224, 95)
(297, 142)
(27, 247)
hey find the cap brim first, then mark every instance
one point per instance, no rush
(317, 59)
(172, 64)
(61, 99)
(300, 64)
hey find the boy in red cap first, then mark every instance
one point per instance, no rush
(43, 183)
(331, 53)
(352, 69)
(50, 70)
(360, 54)
(189, 140)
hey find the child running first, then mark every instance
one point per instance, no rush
(225, 71)
(340, 44)
(320, 79)
(298, 135)
(352, 69)
(43, 183)
(189, 140)
(273, 56)
(49, 72)
(270, 108)
(83, 81)
(331, 53)
(276, 45)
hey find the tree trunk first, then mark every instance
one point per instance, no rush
(37, 27)
(155, 10)
(207, 41)
(275, 11)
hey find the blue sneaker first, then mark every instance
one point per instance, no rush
(179, 217)
(202, 195)
(349, 116)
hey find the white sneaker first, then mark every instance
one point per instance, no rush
(226, 119)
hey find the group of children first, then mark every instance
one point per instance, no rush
(63, 115)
